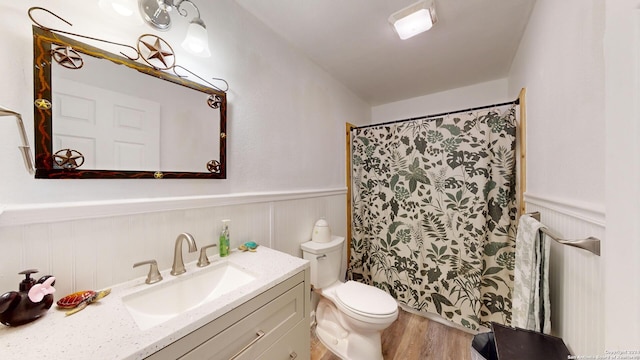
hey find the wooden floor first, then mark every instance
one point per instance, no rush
(412, 337)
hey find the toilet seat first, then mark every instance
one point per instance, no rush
(365, 302)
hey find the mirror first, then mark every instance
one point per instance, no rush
(102, 115)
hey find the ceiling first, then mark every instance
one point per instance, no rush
(474, 41)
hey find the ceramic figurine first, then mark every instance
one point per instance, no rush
(248, 246)
(79, 300)
(29, 303)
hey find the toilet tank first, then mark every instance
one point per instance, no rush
(325, 260)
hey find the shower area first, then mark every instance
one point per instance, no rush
(433, 212)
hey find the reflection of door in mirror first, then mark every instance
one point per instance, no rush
(111, 129)
(139, 122)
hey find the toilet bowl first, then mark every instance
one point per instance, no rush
(350, 316)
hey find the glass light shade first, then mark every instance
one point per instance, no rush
(414, 19)
(197, 40)
(413, 24)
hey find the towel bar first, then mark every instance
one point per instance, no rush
(591, 244)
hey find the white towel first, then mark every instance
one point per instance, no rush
(531, 306)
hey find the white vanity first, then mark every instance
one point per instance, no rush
(266, 317)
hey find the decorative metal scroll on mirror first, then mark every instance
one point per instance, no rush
(102, 115)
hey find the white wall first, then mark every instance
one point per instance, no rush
(285, 156)
(622, 248)
(486, 93)
(285, 120)
(560, 61)
(582, 158)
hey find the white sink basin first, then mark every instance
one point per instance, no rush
(157, 304)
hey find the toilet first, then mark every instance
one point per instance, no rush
(350, 316)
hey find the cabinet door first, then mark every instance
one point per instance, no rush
(252, 335)
(295, 345)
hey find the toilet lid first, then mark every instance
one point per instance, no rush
(365, 299)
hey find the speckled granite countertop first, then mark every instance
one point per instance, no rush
(106, 330)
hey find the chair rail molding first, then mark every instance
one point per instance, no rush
(24, 214)
(589, 212)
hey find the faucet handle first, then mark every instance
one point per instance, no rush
(204, 260)
(154, 275)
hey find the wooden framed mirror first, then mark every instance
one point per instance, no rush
(102, 115)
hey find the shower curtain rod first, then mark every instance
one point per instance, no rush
(516, 102)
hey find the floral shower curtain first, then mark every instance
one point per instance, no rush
(434, 213)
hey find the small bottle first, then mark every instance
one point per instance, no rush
(224, 239)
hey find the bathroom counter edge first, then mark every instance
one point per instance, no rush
(106, 330)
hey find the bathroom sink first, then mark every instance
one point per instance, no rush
(157, 304)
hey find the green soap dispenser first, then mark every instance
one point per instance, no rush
(224, 239)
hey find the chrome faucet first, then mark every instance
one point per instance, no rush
(178, 263)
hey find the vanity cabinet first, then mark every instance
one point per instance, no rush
(273, 325)
(294, 345)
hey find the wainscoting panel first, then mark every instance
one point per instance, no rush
(96, 252)
(576, 278)
(294, 220)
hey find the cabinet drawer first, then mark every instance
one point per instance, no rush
(257, 331)
(294, 345)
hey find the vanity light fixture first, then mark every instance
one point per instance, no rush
(156, 13)
(414, 19)
(25, 149)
